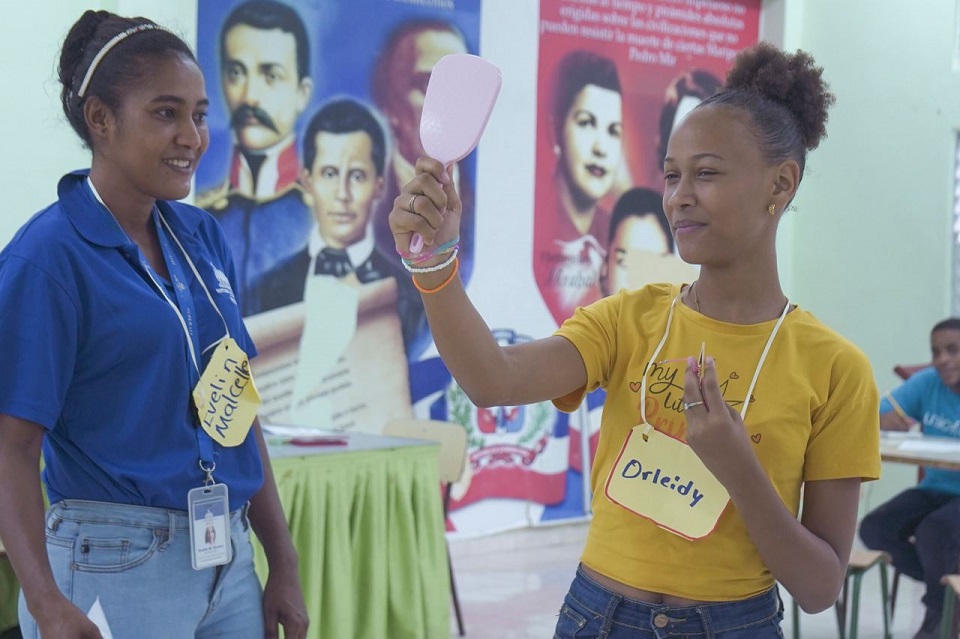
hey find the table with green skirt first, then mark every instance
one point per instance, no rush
(367, 521)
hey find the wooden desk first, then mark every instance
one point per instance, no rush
(909, 448)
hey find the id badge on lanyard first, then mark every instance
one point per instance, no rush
(660, 478)
(226, 400)
(209, 511)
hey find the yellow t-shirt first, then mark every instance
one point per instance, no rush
(814, 416)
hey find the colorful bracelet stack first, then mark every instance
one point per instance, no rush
(443, 285)
(410, 260)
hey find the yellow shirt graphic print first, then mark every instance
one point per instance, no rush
(665, 455)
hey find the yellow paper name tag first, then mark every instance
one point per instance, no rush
(661, 479)
(226, 396)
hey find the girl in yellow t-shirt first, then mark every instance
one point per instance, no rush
(723, 398)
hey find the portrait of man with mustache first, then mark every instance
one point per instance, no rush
(265, 77)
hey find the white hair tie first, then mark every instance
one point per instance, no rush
(114, 41)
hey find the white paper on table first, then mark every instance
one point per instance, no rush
(97, 617)
(928, 446)
(279, 430)
(900, 434)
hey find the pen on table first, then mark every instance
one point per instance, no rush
(276, 440)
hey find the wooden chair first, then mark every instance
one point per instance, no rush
(453, 457)
(947, 624)
(860, 562)
(904, 371)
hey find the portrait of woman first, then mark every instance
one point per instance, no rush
(571, 224)
(683, 94)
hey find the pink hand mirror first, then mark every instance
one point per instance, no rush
(460, 96)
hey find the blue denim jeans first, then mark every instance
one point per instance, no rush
(136, 560)
(591, 611)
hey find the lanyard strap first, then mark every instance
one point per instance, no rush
(181, 288)
(666, 333)
(196, 274)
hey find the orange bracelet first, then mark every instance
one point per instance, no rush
(453, 274)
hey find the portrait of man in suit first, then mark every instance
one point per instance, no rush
(344, 152)
(265, 77)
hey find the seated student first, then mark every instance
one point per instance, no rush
(929, 513)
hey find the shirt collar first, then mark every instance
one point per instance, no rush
(358, 252)
(280, 169)
(96, 224)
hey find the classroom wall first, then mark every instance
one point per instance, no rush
(39, 145)
(867, 248)
(872, 244)
(873, 247)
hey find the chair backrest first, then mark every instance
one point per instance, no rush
(451, 437)
(904, 371)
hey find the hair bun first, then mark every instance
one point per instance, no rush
(791, 80)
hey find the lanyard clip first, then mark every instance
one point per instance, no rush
(208, 480)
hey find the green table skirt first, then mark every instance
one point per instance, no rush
(368, 526)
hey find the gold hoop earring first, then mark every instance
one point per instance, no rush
(772, 209)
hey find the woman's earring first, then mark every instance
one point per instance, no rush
(772, 209)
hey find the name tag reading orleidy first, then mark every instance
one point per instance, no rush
(226, 396)
(661, 479)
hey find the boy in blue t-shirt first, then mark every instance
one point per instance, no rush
(920, 527)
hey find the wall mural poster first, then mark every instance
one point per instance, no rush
(314, 125)
(614, 78)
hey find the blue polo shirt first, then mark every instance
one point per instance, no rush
(95, 354)
(925, 398)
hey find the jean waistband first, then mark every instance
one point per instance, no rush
(721, 615)
(110, 513)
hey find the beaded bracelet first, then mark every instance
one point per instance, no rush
(432, 255)
(453, 274)
(415, 258)
(436, 267)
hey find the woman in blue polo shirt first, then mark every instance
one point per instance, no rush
(117, 308)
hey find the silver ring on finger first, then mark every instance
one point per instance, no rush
(413, 203)
(688, 406)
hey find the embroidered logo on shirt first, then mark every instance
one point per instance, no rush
(223, 284)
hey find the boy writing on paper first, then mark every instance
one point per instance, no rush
(920, 527)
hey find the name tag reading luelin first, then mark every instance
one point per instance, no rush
(660, 478)
(226, 396)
